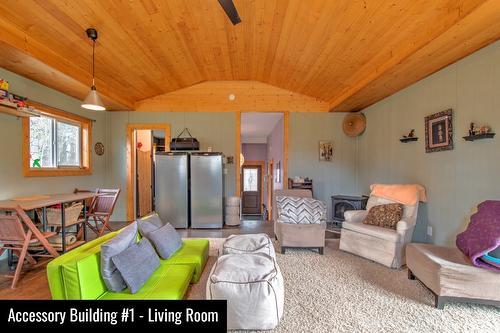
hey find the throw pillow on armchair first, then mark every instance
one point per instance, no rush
(300, 210)
(386, 216)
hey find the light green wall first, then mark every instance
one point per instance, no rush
(329, 178)
(215, 129)
(12, 181)
(456, 180)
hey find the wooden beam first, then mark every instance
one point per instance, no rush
(375, 69)
(249, 96)
(24, 55)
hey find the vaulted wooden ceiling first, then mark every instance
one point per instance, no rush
(344, 54)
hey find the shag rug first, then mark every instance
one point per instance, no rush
(340, 292)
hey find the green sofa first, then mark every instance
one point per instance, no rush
(77, 275)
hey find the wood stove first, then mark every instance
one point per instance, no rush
(342, 203)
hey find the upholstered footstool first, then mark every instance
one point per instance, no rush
(250, 243)
(252, 284)
(448, 273)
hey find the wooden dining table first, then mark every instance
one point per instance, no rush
(21, 206)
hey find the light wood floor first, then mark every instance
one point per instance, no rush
(33, 282)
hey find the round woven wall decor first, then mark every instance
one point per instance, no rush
(354, 124)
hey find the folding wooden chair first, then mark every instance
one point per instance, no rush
(14, 237)
(101, 210)
(89, 204)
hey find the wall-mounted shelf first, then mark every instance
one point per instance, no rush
(407, 139)
(12, 109)
(479, 136)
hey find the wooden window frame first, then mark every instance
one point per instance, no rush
(85, 145)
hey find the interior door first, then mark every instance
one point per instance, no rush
(252, 191)
(144, 169)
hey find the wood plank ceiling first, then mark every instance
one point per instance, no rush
(346, 54)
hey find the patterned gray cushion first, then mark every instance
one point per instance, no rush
(300, 210)
(137, 263)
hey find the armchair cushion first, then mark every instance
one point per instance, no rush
(355, 215)
(386, 216)
(373, 230)
(300, 210)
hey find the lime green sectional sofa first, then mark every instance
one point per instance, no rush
(77, 275)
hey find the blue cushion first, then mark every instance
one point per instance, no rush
(166, 240)
(149, 223)
(111, 276)
(136, 264)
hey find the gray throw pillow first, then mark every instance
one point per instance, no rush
(136, 264)
(149, 223)
(111, 276)
(166, 240)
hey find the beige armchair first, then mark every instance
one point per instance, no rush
(383, 245)
(297, 235)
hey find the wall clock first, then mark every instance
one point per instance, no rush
(99, 148)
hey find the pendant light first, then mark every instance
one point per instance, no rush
(93, 100)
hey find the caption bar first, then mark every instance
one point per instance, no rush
(174, 315)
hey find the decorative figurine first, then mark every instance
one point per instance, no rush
(472, 129)
(484, 129)
(410, 135)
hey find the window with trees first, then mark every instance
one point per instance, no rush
(56, 143)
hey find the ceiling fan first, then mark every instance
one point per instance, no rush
(230, 9)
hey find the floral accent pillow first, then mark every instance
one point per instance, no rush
(386, 216)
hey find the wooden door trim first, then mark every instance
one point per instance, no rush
(237, 167)
(262, 166)
(131, 160)
(284, 178)
(270, 188)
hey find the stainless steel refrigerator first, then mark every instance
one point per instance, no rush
(207, 190)
(172, 188)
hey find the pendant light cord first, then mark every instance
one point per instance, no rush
(93, 62)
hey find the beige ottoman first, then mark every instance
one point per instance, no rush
(252, 284)
(451, 277)
(249, 243)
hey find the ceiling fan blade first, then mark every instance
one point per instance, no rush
(230, 10)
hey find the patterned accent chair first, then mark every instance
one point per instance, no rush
(383, 245)
(294, 234)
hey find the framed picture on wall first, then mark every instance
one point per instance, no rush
(278, 172)
(325, 151)
(439, 131)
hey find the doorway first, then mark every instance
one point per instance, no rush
(143, 140)
(253, 187)
(144, 172)
(263, 161)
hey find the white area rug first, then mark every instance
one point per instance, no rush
(340, 292)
